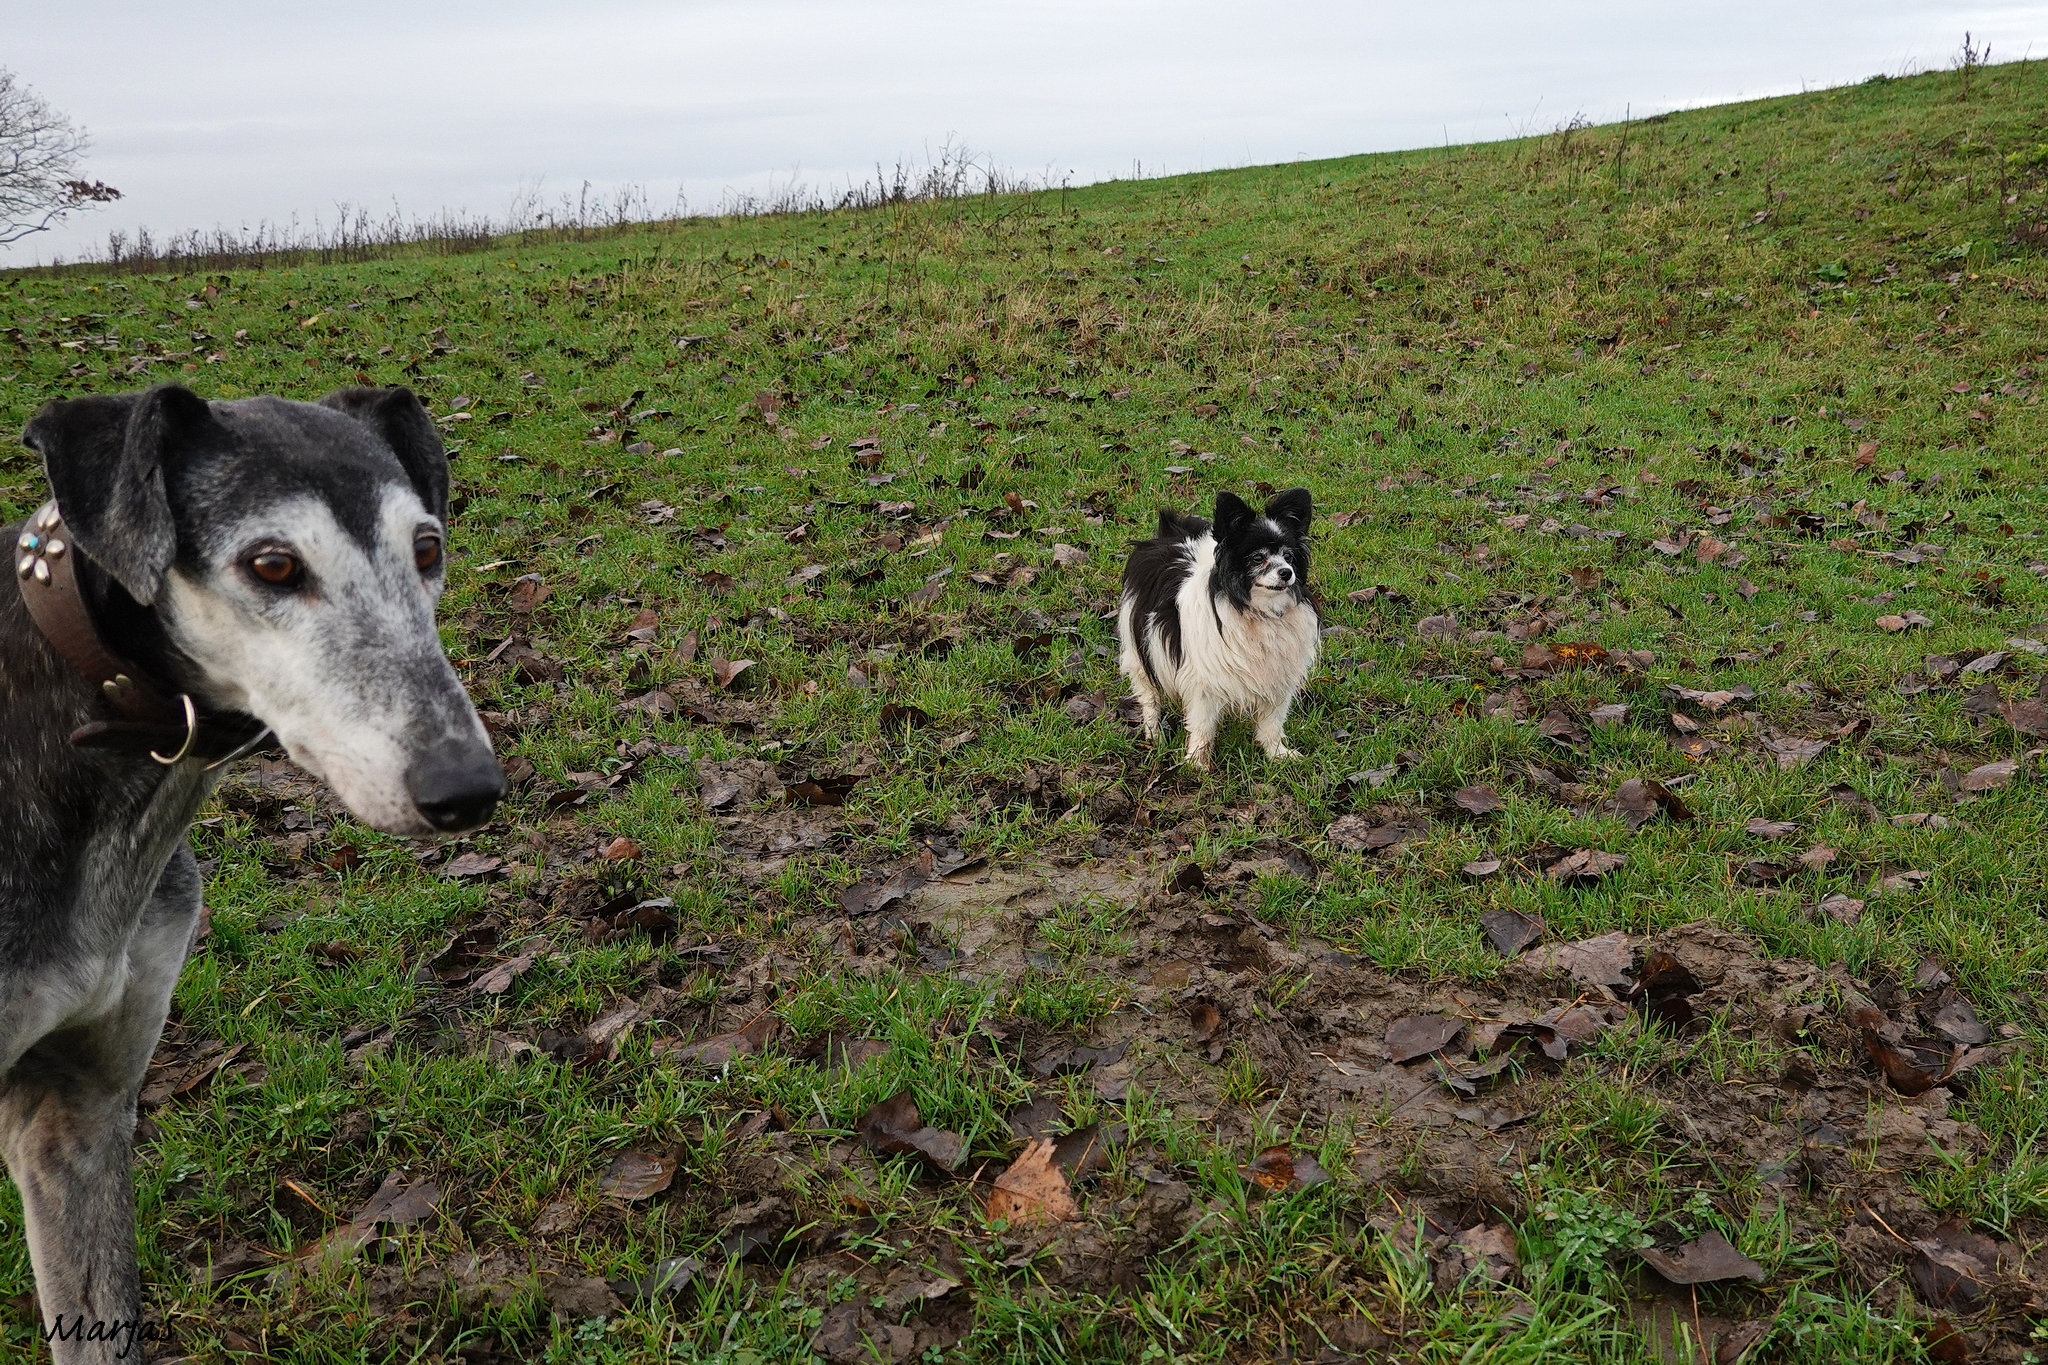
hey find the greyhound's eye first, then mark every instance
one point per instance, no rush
(278, 568)
(426, 553)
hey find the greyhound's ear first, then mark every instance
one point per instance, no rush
(1232, 512)
(105, 456)
(1292, 509)
(397, 416)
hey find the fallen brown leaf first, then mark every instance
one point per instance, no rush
(1033, 1191)
(1278, 1169)
(637, 1175)
(1588, 864)
(1953, 1265)
(1642, 799)
(1601, 961)
(1562, 727)
(1990, 776)
(499, 979)
(895, 1128)
(2026, 715)
(398, 1204)
(750, 1038)
(1478, 800)
(527, 593)
(1708, 1259)
(471, 865)
(1419, 1035)
(1509, 931)
(725, 672)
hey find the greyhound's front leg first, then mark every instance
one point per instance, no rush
(67, 1135)
(67, 1127)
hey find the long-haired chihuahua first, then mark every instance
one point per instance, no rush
(1216, 616)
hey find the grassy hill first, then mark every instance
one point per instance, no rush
(1746, 397)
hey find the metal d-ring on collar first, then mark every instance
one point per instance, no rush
(191, 734)
(192, 737)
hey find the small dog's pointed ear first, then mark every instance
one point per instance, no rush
(1292, 509)
(1232, 512)
(104, 457)
(398, 417)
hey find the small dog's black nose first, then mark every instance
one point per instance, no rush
(456, 788)
(1285, 574)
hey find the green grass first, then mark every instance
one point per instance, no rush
(1706, 315)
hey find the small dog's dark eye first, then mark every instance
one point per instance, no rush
(426, 553)
(279, 568)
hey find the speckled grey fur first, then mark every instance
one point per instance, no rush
(99, 893)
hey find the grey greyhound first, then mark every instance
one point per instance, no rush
(204, 572)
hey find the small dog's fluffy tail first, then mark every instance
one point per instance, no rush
(1181, 525)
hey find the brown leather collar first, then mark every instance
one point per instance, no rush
(150, 718)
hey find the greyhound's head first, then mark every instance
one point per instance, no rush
(293, 554)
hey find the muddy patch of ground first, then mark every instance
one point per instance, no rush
(1753, 1080)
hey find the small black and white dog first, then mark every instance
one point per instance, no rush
(1217, 617)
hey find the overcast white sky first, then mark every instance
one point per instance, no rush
(231, 112)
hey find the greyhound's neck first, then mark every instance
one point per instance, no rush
(130, 630)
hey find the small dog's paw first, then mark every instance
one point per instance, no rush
(1280, 753)
(1198, 759)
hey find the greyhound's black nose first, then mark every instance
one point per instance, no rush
(456, 789)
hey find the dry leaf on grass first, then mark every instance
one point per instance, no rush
(471, 865)
(1509, 931)
(1280, 1169)
(726, 672)
(1419, 1035)
(1478, 800)
(527, 593)
(2026, 715)
(750, 1038)
(1953, 1266)
(1601, 961)
(1033, 1191)
(894, 1128)
(1561, 727)
(398, 1204)
(1586, 865)
(637, 1175)
(1704, 1261)
(1642, 799)
(499, 979)
(1990, 776)
(1840, 908)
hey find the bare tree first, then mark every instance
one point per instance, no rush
(39, 155)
